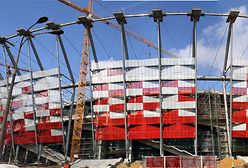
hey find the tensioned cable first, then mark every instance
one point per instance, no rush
(132, 46)
(73, 46)
(98, 39)
(47, 50)
(217, 53)
(104, 7)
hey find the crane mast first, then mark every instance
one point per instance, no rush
(79, 113)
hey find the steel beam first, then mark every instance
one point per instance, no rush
(121, 20)
(195, 17)
(11, 57)
(1, 76)
(158, 17)
(36, 54)
(60, 93)
(73, 92)
(33, 99)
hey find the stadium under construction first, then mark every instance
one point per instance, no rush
(136, 108)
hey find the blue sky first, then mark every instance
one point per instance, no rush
(176, 31)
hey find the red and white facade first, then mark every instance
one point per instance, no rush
(142, 91)
(240, 99)
(47, 105)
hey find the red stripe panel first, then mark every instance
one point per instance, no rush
(138, 118)
(104, 120)
(182, 98)
(170, 84)
(151, 106)
(55, 112)
(50, 139)
(110, 133)
(239, 116)
(114, 72)
(138, 99)
(239, 134)
(144, 132)
(1, 119)
(101, 101)
(42, 94)
(186, 90)
(28, 115)
(20, 139)
(100, 87)
(116, 107)
(48, 125)
(116, 93)
(18, 126)
(179, 131)
(44, 106)
(26, 89)
(172, 117)
(240, 105)
(150, 91)
(239, 91)
(1, 107)
(134, 85)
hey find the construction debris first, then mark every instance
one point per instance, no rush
(96, 163)
(229, 162)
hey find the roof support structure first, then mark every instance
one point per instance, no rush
(195, 17)
(11, 57)
(87, 22)
(231, 19)
(28, 34)
(157, 15)
(121, 20)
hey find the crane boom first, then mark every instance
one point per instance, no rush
(134, 35)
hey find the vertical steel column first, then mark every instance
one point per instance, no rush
(195, 17)
(231, 19)
(33, 98)
(11, 57)
(211, 123)
(158, 17)
(120, 18)
(1, 76)
(36, 54)
(60, 92)
(8, 73)
(73, 91)
(227, 120)
(231, 88)
(160, 91)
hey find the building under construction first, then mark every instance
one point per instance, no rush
(136, 108)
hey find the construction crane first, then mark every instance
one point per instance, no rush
(134, 35)
(79, 113)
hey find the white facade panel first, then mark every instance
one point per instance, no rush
(134, 106)
(186, 113)
(42, 113)
(115, 86)
(169, 90)
(242, 84)
(101, 108)
(115, 101)
(134, 92)
(150, 99)
(150, 84)
(178, 105)
(114, 115)
(100, 94)
(56, 132)
(151, 113)
(240, 127)
(240, 99)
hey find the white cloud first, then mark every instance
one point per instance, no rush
(207, 46)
